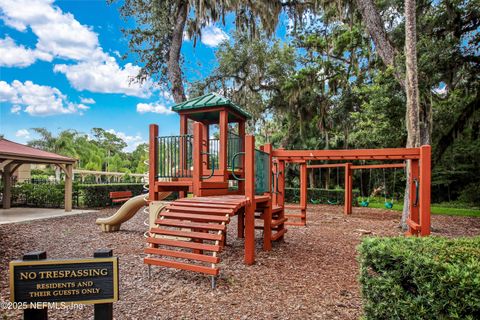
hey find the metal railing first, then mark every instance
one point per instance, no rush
(234, 145)
(175, 156)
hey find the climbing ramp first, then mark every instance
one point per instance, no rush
(190, 233)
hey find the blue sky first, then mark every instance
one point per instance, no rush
(60, 68)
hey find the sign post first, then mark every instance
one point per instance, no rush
(30, 313)
(103, 310)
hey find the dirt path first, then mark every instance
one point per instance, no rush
(310, 275)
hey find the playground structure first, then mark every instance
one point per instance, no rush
(229, 177)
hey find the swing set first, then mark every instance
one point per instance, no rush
(365, 201)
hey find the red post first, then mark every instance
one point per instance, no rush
(347, 202)
(303, 192)
(350, 189)
(153, 162)
(222, 156)
(425, 181)
(250, 194)
(413, 207)
(197, 157)
(267, 214)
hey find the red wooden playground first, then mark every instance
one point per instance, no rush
(228, 176)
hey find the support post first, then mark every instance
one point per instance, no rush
(425, 182)
(35, 314)
(267, 213)
(153, 162)
(68, 187)
(103, 311)
(303, 193)
(348, 196)
(250, 194)
(350, 190)
(281, 194)
(197, 158)
(222, 154)
(7, 186)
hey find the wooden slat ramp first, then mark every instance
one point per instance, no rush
(190, 232)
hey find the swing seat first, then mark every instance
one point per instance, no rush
(364, 203)
(316, 201)
(388, 204)
(332, 202)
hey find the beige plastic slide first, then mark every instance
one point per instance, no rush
(126, 212)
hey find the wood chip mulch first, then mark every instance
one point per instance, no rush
(312, 274)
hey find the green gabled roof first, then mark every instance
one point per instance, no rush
(208, 101)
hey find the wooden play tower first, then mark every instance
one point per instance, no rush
(219, 173)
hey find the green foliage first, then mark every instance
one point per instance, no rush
(39, 194)
(420, 278)
(471, 194)
(97, 195)
(102, 153)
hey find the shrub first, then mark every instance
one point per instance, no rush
(470, 194)
(420, 278)
(49, 195)
(97, 195)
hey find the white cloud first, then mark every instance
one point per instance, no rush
(154, 107)
(22, 133)
(87, 100)
(60, 35)
(132, 141)
(37, 100)
(105, 77)
(212, 36)
(13, 55)
(15, 109)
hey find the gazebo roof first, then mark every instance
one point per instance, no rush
(10, 150)
(208, 101)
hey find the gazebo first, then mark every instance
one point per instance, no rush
(13, 155)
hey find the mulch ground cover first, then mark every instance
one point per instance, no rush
(312, 274)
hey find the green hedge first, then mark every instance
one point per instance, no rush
(420, 278)
(97, 195)
(49, 195)
(317, 195)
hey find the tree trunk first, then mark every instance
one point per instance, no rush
(375, 26)
(411, 90)
(174, 71)
(416, 134)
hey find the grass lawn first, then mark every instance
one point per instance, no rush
(436, 208)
